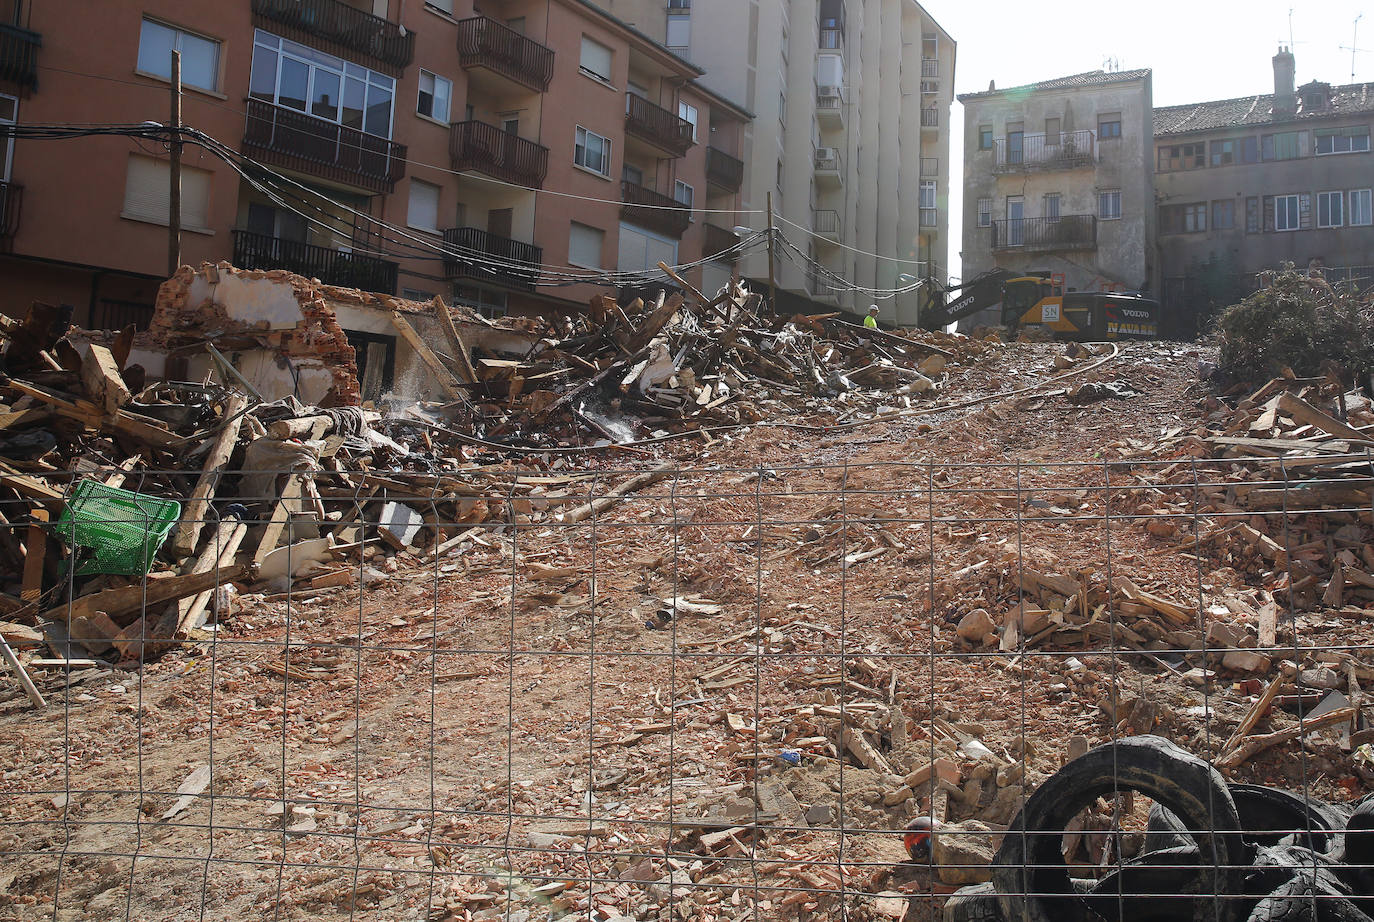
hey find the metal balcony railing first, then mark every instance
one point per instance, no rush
(930, 67)
(1069, 232)
(474, 145)
(723, 170)
(291, 139)
(826, 221)
(828, 160)
(19, 55)
(829, 104)
(11, 198)
(653, 210)
(657, 125)
(1066, 150)
(718, 240)
(333, 267)
(494, 258)
(484, 42)
(930, 118)
(339, 28)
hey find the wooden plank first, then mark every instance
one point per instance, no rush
(24, 681)
(17, 418)
(218, 555)
(602, 503)
(35, 551)
(1249, 747)
(129, 599)
(1172, 611)
(446, 378)
(281, 513)
(1257, 710)
(656, 320)
(104, 384)
(1303, 412)
(28, 486)
(455, 340)
(187, 533)
(1268, 624)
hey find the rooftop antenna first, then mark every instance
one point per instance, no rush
(1111, 64)
(1354, 47)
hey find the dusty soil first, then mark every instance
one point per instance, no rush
(524, 729)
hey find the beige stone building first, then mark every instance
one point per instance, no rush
(1057, 180)
(851, 132)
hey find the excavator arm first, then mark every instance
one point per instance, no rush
(975, 295)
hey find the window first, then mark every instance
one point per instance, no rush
(1109, 204)
(985, 212)
(632, 174)
(642, 251)
(592, 152)
(1223, 153)
(688, 114)
(679, 35)
(928, 192)
(1286, 213)
(1342, 140)
(417, 294)
(443, 6)
(930, 166)
(490, 304)
(1361, 214)
(423, 211)
(199, 56)
(1182, 157)
(584, 245)
(1223, 214)
(1052, 131)
(779, 174)
(1286, 145)
(782, 109)
(147, 193)
(301, 78)
(1249, 149)
(985, 137)
(1109, 126)
(1252, 215)
(1183, 219)
(596, 59)
(435, 93)
(683, 193)
(1330, 209)
(1052, 206)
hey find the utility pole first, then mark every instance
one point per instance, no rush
(772, 246)
(174, 195)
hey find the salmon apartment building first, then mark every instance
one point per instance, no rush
(406, 128)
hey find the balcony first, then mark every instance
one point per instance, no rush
(19, 55)
(825, 222)
(333, 267)
(718, 240)
(657, 126)
(287, 138)
(930, 119)
(500, 154)
(502, 249)
(830, 106)
(653, 211)
(723, 171)
(1067, 150)
(336, 27)
(829, 166)
(821, 288)
(486, 43)
(930, 67)
(1069, 232)
(11, 198)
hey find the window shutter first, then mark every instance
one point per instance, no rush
(1305, 211)
(195, 197)
(147, 192)
(596, 58)
(424, 206)
(584, 245)
(1268, 214)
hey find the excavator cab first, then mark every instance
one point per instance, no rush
(1024, 301)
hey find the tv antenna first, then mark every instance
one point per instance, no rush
(1111, 64)
(1354, 47)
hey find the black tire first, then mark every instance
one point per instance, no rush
(1028, 870)
(1165, 830)
(1357, 850)
(1271, 816)
(977, 903)
(1308, 897)
(1134, 890)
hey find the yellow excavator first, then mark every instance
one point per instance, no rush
(1039, 302)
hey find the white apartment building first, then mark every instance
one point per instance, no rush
(851, 102)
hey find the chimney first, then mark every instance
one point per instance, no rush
(1285, 70)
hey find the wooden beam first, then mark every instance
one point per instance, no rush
(602, 503)
(187, 533)
(277, 524)
(104, 384)
(1303, 412)
(24, 681)
(128, 599)
(36, 550)
(455, 340)
(656, 320)
(446, 378)
(218, 555)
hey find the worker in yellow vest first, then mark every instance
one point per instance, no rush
(871, 321)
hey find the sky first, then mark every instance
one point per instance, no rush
(1199, 50)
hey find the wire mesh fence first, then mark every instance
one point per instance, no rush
(703, 693)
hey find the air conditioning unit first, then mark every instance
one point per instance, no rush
(826, 154)
(830, 92)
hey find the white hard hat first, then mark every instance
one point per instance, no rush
(872, 308)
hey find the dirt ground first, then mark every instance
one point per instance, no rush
(601, 720)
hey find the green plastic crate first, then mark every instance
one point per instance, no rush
(117, 531)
